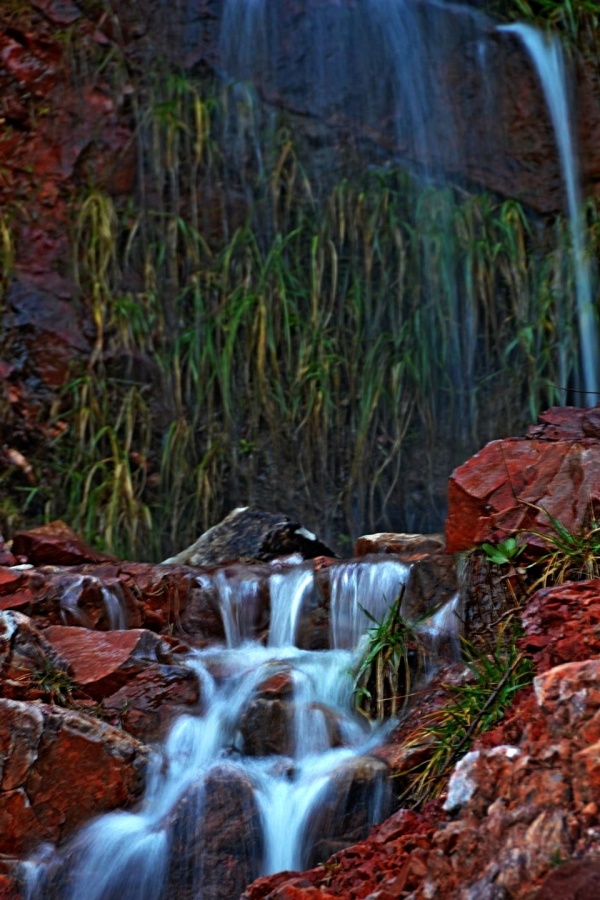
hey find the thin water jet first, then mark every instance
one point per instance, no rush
(547, 58)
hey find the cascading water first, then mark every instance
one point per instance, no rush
(217, 799)
(369, 69)
(547, 57)
(359, 590)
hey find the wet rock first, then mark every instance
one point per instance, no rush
(14, 590)
(399, 543)
(49, 330)
(512, 485)
(575, 880)
(251, 535)
(357, 794)
(267, 725)
(432, 584)
(132, 675)
(92, 598)
(216, 837)
(59, 767)
(56, 544)
(30, 667)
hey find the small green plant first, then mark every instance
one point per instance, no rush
(57, 684)
(503, 553)
(474, 706)
(383, 680)
(572, 555)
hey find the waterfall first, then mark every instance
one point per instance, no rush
(289, 592)
(360, 589)
(238, 593)
(547, 57)
(287, 800)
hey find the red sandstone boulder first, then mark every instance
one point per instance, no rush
(512, 485)
(417, 544)
(14, 590)
(56, 544)
(131, 674)
(59, 768)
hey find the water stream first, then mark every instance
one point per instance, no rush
(547, 58)
(273, 770)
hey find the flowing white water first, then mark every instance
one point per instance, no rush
(441, 632)
(238, 595)
(299, 800)
(72, 589)
(546, 54)
(360, 585)
(289, 592)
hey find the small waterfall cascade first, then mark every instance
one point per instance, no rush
(289, 593)
(272, 771)
(73, 587)
(441, 631)
(238, 598)
(346, 62)
(547, 57)
(360, 589)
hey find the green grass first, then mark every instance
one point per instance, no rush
(472, 707)
(382, 684)
(567, 555)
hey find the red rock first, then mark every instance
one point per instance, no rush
(399, 543)
(94, 657)
(10, 580)
(19, 600)
(60, 768)
(575, 880)
(510, 485)
(130, 673)
(56, 544)
(26, 659)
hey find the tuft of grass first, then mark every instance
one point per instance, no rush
(571, 555)
(474, 706)
(57, 684)
(382, 684)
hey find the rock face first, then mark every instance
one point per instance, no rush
(512, 485)
(458, 117)
(218, 829)
(58, 768)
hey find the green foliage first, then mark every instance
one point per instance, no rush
(503, 553)
(383, 681)
(55, 683)
(571, 556)
(473, 707)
